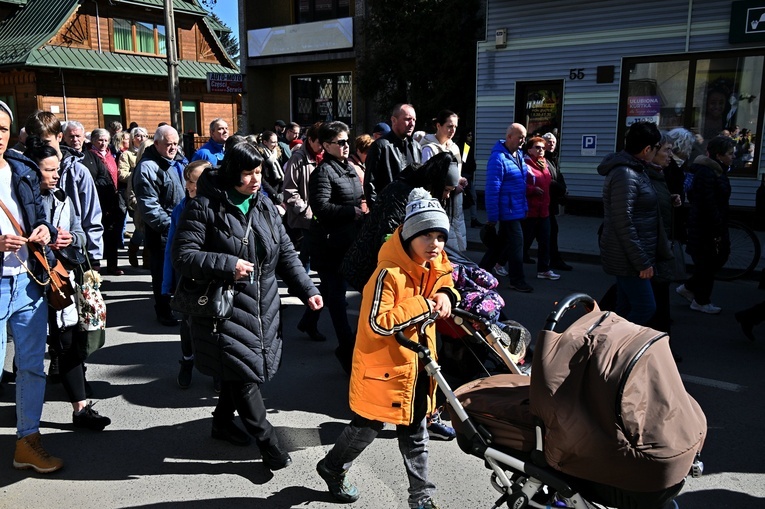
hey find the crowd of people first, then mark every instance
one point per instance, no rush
(383, 213)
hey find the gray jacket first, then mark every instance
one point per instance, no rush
(77, 183)
(158, 189)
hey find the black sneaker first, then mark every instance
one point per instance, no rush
(90, 419)
(339, 486)
(184, 375)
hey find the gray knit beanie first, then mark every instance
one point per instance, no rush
(423, 214)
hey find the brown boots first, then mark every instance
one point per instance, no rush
(30, 454)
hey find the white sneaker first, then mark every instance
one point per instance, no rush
(684, 292)
(709, 309)
(500, 270)
(548, 275)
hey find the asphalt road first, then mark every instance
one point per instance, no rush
(158, 451)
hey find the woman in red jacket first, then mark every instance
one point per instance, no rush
(537, 222)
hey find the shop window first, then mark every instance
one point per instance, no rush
(657, 93)
(321, 10)
(111, 108)
(322, 98)
(139, 37)
(709, 94)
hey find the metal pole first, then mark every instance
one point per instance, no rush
(244, 125)
(174, 86)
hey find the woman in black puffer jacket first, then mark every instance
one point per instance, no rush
(231, 232)
(336, 198)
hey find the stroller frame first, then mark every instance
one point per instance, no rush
(499, 347)
(525, 480)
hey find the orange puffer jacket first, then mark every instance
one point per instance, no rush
(384, 373)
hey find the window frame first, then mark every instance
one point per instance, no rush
(688, 114)
(134, 37)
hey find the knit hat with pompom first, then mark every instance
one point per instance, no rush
(424, 214)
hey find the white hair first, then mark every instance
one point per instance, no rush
(682, 141)
(72, 124)
(163, 131)
(550, 137)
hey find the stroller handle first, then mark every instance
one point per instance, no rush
(469, 316)
(566, 304)
(422, 351)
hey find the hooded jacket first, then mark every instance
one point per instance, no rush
(630, 216)
(384, 373)
(26, 186)
(212, 152)
(709, 196)
(78, 184)
(505, 185)
(209, 237)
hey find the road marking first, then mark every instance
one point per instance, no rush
(717, 384)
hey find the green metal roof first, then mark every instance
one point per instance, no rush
(187, 6)
(89, 60)
(23, 38)
(32, 26)
(218, 27)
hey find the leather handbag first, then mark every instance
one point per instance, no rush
(209, 299)
(60, 289)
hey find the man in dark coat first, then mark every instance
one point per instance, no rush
(391, 153)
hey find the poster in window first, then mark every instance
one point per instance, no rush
(542, 111)
(643, 108)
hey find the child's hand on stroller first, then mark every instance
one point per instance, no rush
(441, 304)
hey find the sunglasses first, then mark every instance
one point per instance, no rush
(339, 143)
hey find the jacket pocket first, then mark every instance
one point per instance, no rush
(386, 386)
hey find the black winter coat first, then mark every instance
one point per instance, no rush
(248, 346)
(630, 216)
(334, 192)
(708, 217)
(386, 159)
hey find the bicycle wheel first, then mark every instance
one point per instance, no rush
(745, 251)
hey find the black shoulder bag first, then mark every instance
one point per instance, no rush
(208, 299)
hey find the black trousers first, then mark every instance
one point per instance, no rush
(113, 239)
(246, 400)
(70, 366)
(156, 247)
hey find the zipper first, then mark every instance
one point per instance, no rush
(628, 372)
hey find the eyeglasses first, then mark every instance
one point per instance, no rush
(339, 143)
(538, 147)
(657, 147)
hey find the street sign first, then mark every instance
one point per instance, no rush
(225, 83)
(589, 144)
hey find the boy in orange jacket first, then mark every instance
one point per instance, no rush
(388, 383)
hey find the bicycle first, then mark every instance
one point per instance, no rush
(745, 252)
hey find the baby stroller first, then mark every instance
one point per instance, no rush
(578, 441)
(473, 346)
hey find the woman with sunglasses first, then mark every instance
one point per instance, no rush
(337, 200)
(537, 222)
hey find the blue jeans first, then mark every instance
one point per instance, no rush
(634, 299)
(22, 306)
(511, 234)
(412, 442)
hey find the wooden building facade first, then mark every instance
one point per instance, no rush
(104, 60)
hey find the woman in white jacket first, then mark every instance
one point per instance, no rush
(61, 214)
(432, 144)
